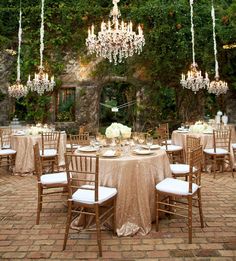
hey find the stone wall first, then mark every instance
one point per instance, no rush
(6, 61)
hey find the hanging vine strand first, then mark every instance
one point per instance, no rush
(214, 40)
(192, 30)
(42, 35)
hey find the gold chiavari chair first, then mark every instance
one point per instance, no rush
(76, 141)
(182, 170)
(219, 155)
(86, 197)
(48, 184)
(174, 152)
(50, 146)
(172, 194)
(7, 155)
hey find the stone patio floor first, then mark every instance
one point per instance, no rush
(21, 239)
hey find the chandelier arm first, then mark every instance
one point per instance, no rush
(19, 45)
(214, 40)
(192, 30)
(42, 34)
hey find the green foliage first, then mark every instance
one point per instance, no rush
(166, 54)
(2, 96)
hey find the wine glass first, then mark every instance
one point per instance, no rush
(92, 141)
(149, 141)
(141, 138)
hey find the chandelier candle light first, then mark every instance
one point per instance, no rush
(194, 80)
(41, 82)
(116, 40)
(18, 90)
(217, 86)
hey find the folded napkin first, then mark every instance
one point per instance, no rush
(109, 153)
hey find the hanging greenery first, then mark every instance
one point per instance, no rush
(165, 56)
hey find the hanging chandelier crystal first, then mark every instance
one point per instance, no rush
(194, 79)
(217, 86)
(41, 82)
(18, 90)
(116, 41)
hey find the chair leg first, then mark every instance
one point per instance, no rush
(98, 228)
(114, 217)
(190, 220)
(214, 166)
(157, 211)
(39, 205)
(69, 214)
(200, 207)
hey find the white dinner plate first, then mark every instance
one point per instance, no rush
(152, 147)
(207, 132)
(87, 149)
(183, 131)
(143, 152)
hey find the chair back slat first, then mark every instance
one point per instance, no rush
(50, 140)
(82, 170)
(5, 137)
(37, 162)
(191, 143)
(163, 133)
(195, 167)
(222, 139)
(79, 139)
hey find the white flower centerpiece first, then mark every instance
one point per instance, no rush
(200, 127)
(118, 130)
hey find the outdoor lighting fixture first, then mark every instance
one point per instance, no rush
(41, 82)
(194, 79)
(18, 90)
(116, 40)
(217, 86)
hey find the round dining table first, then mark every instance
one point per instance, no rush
(134, 177)
(23, 144)
(179, 137)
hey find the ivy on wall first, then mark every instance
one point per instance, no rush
(165, 56)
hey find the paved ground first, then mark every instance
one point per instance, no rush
(21, 239)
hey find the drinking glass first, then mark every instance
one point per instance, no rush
(141, 138)
(149, 141)
(92, 141)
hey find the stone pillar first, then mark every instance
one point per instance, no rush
(6, 61)
(87, 107)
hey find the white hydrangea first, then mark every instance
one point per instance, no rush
(116, 130)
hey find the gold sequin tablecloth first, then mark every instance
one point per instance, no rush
(135, 177)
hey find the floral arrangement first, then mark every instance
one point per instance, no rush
(200, 127)
(118, 130)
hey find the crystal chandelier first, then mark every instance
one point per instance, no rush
(194, 79)
(41, 82)
(18, 90)
(116, 40)
(217, 86)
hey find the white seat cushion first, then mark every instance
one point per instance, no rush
(172, 148)
(218, 151)
(7, 152)
(54, 178)
(48, 153)
(234, 145)
(168, 142)
(176, 186)
(180, 168)
(6, 146)
(87, 196)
